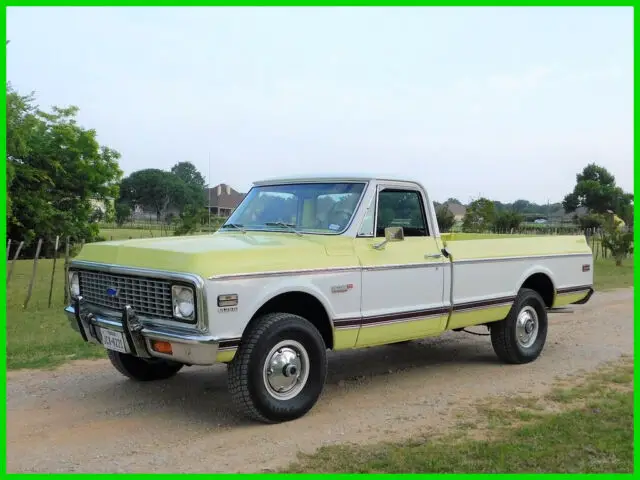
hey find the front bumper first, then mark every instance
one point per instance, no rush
(187, 346)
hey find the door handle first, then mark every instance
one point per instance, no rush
(432, 255)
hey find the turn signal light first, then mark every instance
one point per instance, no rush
(162, 347)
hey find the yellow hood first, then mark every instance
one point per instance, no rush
(225, 252)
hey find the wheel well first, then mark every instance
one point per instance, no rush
(304, 305)
(542, 284)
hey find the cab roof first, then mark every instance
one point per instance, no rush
(331, 178)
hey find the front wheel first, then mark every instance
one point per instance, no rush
(279, 370)
(520, 337)
(141, 369)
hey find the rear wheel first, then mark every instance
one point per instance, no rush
(279, 370)
(141, 369)
(520, 337)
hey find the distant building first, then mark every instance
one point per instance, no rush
(222, 199)
(457, 210)
(101, 203)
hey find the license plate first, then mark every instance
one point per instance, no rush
(113, 340)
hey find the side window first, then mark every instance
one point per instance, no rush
(401, 208)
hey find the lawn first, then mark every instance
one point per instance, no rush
(607, 276)
(41, 336)
(582, 428)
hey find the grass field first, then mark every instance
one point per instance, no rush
(586, 427)
(41, 336)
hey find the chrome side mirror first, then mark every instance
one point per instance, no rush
(391, 234)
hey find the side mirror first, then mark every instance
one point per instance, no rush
(391, 234)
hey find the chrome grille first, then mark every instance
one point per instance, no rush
(147, 296)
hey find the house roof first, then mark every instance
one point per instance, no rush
(223, 196)
(455, 208)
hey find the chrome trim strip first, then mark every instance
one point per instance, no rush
(328, 270)
(464, 309)
(430, 316)
(202, 323)
(284, 273)
(520, 257)
(403, 266)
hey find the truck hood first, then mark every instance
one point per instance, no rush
(225, 252)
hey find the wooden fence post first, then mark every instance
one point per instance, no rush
(33, 274)
(13, 262)
(66, 271)
(53, 271)
(8, 249)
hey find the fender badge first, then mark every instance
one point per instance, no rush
(341, 288)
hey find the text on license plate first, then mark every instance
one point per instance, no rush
(113, 340)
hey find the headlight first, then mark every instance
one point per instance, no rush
(74, 284)
(184, 307)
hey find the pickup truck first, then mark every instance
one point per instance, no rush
(307, 265)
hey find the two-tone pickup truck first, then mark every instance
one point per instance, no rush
(307, 265)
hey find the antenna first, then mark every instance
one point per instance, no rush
(209, 193)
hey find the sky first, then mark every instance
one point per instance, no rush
(506, 103)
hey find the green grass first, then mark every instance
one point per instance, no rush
(608, 276)
(590, 430)
(41, 336)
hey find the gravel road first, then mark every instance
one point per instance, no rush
(85, 417)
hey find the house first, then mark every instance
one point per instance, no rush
(457, 210)
(101, 203)
(222, 200)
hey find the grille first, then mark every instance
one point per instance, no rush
(148, 297)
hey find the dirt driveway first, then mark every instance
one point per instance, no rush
(86, 417)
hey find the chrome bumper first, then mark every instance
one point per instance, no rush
(188, 347)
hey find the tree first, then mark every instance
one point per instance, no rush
(160, 191)
(122, 213)
(54, 168)
(189, 174)
(479, 216)
(154, 189)
(507, 220)
(596, 190)
(445, 218)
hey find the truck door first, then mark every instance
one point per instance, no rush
(402, 281)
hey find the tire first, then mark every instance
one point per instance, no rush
(143, 370)
(508, 336)
(304, 356)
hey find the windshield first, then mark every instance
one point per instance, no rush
(324, 208)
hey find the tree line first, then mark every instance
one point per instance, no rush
(596, 191)
(56, 168)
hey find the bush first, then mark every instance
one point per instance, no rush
(506, 221)
(617, 241)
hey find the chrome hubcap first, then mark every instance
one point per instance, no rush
(286, 370)
(527, 327)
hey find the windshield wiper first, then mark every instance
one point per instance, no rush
(238, 226)
(282, 224)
